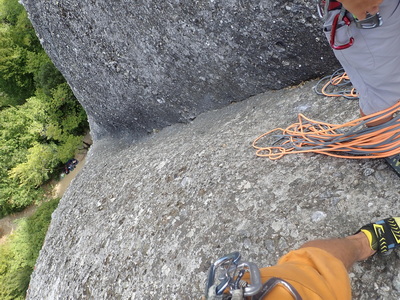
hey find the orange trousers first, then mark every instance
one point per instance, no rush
(313, 272)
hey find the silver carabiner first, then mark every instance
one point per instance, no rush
(273, 282)
(255, 278)
(225, 263)
(370, 22)
(223, 274)
(322, 8)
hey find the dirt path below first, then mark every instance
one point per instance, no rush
(63, 184)
(8, 224)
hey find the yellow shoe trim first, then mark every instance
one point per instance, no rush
(369, 236)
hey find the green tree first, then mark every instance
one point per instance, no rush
(41, 160)
(21, 250)
(10, 10)
(41, 122)
(16, 84)
(18, 44)
(36, 138)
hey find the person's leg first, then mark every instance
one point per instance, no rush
(382, 237)
(373, 61)
(348, 250)
(376, 123)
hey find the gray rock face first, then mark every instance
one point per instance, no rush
(143, 221)
(140, 65)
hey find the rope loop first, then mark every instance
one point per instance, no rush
(336, 85)
(349, 140)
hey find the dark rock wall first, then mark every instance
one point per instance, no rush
(140, 65)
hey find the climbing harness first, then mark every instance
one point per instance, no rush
(344, 18)
(349, 140)
(225, 281)
(336, 85)
(324, 6)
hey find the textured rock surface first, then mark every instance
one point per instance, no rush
(142, 221)
(140, 65)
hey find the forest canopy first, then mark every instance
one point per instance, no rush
(41, 121)
(18, 256)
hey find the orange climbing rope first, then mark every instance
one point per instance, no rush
(335, 86)
(349, 140)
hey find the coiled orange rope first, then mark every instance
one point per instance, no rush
(349, 140)
(336, 85)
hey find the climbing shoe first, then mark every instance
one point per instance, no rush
(383, 235)
(394, 163)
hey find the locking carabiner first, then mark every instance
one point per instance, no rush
(340, 17)
(223, 263)
(226, 273)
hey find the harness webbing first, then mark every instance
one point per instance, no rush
(349, 140)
